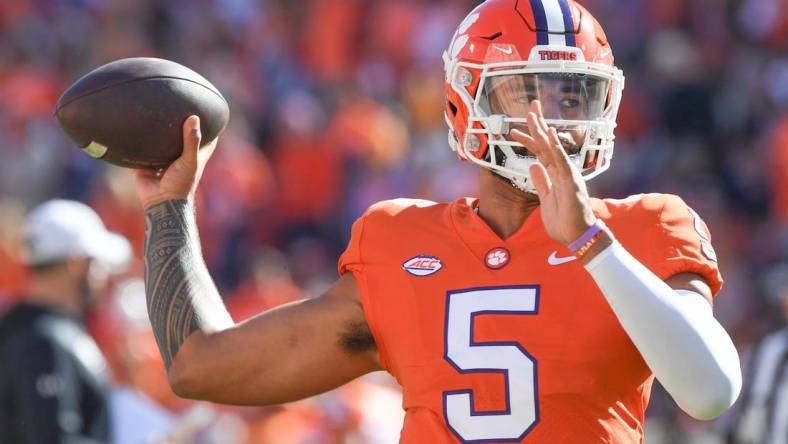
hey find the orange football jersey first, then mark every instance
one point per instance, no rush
(510, 340)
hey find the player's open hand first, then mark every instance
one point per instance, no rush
(566, 211)
(180, 179)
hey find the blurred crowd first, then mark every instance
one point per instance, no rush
(336, 104)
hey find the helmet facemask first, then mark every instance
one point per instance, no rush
(579, 99)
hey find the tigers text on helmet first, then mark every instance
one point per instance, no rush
(507, 53)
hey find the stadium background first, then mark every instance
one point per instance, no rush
(336, 104)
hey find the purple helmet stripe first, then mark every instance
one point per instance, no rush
(569, 24)
(541, 22)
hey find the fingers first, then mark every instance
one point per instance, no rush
(144, 173)
(541, 180)
(203, 156)
(539, 147)
(552, 136)
(191, 140)
(531, 144)
(548, 146)
(522, 137)
(537, 125)
(544, 143)
(538, 141)
(536, 109)
(206, 151)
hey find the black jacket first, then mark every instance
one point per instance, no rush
(53, 380)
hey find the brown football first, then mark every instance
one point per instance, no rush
(130, 112)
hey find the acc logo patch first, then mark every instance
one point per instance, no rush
(422, 265)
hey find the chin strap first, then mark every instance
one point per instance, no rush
(675, 331)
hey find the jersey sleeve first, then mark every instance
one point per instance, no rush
(352, 260)
(683, 244)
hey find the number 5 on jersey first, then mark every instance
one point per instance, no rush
(508, 358)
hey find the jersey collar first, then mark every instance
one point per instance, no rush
(479, 238)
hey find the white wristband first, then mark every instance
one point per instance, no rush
(675, 331)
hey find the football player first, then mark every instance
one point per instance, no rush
(532, 313)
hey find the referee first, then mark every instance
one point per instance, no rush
(53, 378)
(763, 409)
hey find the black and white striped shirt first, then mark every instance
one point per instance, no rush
(763, 412)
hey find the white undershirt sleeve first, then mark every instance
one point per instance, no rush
(675, 331)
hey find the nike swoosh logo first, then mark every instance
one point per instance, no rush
(507, 51)
(553, 259)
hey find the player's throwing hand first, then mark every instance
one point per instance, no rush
(563, 196)
(180, 179)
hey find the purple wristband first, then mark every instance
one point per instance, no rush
(585, 237)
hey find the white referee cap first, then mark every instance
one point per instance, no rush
(58, 230)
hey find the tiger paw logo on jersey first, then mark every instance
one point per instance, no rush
(422, 265)
(497, 258)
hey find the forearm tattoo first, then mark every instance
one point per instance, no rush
(173, 282)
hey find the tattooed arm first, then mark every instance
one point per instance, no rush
(284, 354)
(181, 295)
